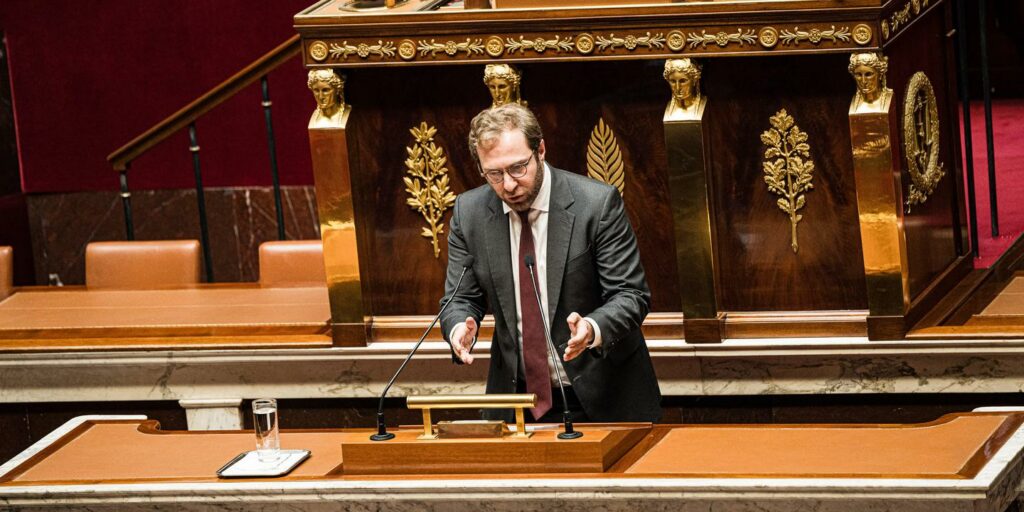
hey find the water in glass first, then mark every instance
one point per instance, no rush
(268, 440)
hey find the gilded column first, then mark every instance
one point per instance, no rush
(328, 143)
(690, 186)
(879, 190)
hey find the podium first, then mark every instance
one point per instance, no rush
(598, 450)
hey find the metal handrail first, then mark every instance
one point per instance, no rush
(122, 157)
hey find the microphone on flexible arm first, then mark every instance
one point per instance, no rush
(566, 415)
(382, 431)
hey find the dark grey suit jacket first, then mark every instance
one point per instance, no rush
(593, 268)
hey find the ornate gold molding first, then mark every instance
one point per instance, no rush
(788, 169)
(428, 185)
(604, 160)
(814, 35)
(631, 42)
(902, 17)
(450, 48)
(539, 44)
(363, 50)
(664, 42)
(921, 134)
(703, 39)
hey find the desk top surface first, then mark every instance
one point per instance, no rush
(41, 316)
(954, 447)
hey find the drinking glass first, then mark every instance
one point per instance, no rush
(268, 437)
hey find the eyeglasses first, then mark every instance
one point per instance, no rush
(516, 170)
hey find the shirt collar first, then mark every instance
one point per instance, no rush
(543, 199)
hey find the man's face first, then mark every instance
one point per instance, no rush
(324, 94)
(508, 149)
(500, 90)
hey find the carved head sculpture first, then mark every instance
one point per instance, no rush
(502, 80)
(328, 90)
(683, 76)
(868, 70)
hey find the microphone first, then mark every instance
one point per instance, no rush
(382, 431)
(566, 415)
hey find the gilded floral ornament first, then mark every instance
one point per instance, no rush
(631, 42)
(450, 48)
(428, 188)
(814, 35)
(604, 160)
(921, 132)
(585, 43)
(722, 39)
(539, 44)
(788, 169)
(318, 50)
(363, 50)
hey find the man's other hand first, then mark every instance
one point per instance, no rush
(581, 334)
(462, 339)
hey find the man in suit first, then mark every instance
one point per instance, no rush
(593, 291)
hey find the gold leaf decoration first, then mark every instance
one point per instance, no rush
(604, 160)
(428, 188)
(788, 168)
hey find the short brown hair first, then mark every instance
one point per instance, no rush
(489, 124)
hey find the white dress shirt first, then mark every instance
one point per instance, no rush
(539, 226)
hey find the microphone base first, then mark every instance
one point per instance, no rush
(570, 435)
(382, 437)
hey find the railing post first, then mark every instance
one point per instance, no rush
(204, 229)
(273, 158)
(965, 96)
(993, 205)
(126, 202)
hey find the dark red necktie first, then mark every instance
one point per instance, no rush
(535, 350)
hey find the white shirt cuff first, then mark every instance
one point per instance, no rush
(597, 332)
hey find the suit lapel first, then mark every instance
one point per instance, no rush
(560, 221)
(500, 260)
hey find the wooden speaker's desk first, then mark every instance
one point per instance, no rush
(959, 462)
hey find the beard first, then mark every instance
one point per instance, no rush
(532, 193)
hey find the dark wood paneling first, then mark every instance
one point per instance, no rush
(931, 228)
(403, 276)
(758, 269)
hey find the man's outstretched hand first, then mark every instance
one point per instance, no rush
(462, 340)
(581, 334)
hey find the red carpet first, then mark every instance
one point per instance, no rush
(1009, 157)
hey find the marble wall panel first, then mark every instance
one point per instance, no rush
(239, 220)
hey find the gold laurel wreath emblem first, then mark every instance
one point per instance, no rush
(604, 160)
(428, 188)
(788, 169)
(921, 135)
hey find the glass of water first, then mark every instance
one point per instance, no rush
(268, 436)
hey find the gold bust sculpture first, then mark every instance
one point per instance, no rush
(329, 91)
(502, 80)
(868, 70)
(683, 76)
